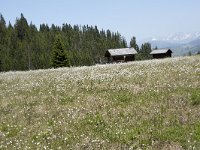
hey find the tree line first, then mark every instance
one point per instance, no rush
(25, 47)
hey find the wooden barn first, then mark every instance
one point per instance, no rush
(120, 55)
(161, 53)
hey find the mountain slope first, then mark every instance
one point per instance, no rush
(180, 43)
(179, 38)
(193, 47)
(150, 104)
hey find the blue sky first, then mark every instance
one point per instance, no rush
(140, 18)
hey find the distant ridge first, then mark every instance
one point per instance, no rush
(180, 43)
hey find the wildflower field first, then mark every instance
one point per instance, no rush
(152, 104)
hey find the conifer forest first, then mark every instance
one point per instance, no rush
(24, 46)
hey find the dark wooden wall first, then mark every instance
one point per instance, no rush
(130, 58)
(157, 56)
(123, 58)
(120, 58)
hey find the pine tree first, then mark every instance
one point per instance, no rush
(59, 58)
(124, 44)
(144, 52)
(2, 37)
(21, 27)
(156, 48)
(2, 29)
(134, 44)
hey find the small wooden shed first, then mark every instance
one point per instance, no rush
(161, 53)
(120, 55)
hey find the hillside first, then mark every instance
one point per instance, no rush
(193, 47)
(139, 105)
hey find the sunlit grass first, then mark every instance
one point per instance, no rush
(139, 105)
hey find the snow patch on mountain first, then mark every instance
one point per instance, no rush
(178, 37)
(179, 43)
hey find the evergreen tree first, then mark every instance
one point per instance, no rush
(144, 52)
(59, 58)
(134, 44)
(124, 44)
(189, 53)
(2, 29)
(156, 48)
(2, 41)
(21, 27)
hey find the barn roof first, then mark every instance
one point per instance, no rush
(160, 51)
(122, 51)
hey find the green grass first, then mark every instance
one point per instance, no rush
(195, 96)
(140, 105)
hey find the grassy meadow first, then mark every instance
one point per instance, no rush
(152, 104)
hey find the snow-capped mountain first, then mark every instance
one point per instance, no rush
(178, 37)
(180, 43)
